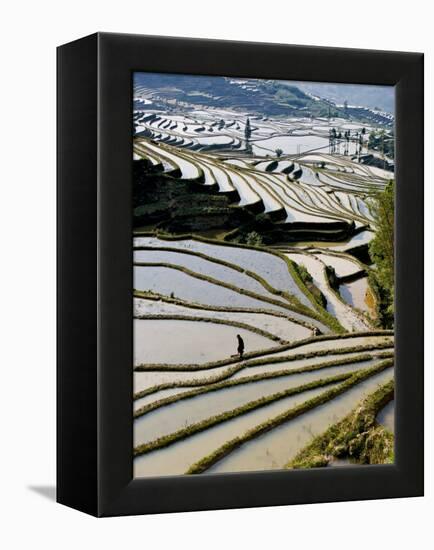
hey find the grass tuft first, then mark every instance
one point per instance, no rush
(358, 437)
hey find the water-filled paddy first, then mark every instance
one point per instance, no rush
(162, 394)
(279, 326)
(345, 315)
(290, 145)
(189, 170)
(269, 266)
(355, 293)
(174, 341)
(178, 457)
(343, 266)
(173, 417)
(386, 416)
(302, 363)
(339, 343)
(147, 379)
(175, 283)
(364, 237)
(276, 448)
(204, 267)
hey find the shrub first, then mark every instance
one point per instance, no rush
(254, 239)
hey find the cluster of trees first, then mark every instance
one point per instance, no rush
(336, 138)
(378, 140)
(382, 253)
(382, 142)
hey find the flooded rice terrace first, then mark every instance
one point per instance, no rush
(256, 323)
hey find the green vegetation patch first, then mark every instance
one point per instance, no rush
(382, 253)
(358, 437)
(307, 279)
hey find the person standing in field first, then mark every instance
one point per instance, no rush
(240, 346)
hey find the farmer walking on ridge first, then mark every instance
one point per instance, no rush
(240, 346)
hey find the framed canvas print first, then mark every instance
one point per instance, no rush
(240, 274)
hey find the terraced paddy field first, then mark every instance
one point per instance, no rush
(255, 228)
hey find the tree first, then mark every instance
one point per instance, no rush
(332, 140)
(247, 130)
(278, 152)
(382, 137)
(362, 138)
(382, 251)
(347, 141)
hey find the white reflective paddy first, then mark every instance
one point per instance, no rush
(343, 265)
(204, 267)
(281, 327)
(268, 266)
(290, 145)
(202, 317)
(348, 318)
(355, 294)
(172, 282)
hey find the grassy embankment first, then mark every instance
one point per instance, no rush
(307, 279)
(358, 437)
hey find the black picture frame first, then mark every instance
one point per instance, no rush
(94, 375)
